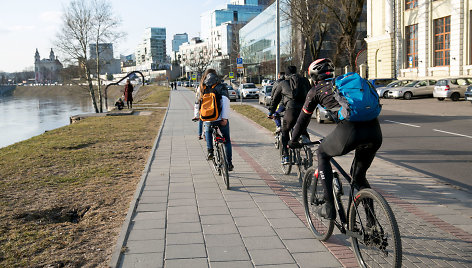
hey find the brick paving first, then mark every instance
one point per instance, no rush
(184, 216)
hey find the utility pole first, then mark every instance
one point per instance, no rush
(277, 30)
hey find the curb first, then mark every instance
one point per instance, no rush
(116, 257)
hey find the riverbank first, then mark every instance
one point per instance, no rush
(65, 193)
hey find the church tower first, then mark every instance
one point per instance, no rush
(51, 56)
(36, 56)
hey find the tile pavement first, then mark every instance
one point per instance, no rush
(185, 217)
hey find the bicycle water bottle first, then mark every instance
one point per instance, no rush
(338, 188)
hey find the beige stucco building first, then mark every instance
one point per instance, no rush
(419, 38)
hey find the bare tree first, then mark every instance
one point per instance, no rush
(308, 18)
(199, 60)
(85, 21)
(346, 13)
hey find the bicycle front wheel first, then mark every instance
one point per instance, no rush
(224, 164)
(304, 161)
(313, 199)
(371, 218)
(286, 168)
(216, 158)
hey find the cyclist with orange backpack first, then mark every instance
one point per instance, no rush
(213, 109)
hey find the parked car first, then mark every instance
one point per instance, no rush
(413, 89)
(266, 82)
(321, 115)
(248, 90)
(265, 95)
(468, 94)
(453, 88)
(383, 91)
(231, 92)
(186, 84)
(381, 82)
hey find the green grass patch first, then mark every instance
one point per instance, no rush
(255, 115)
(64, 194)
(153, 94)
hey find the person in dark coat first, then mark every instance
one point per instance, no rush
(129, 94)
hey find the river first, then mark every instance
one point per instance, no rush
(24, 117)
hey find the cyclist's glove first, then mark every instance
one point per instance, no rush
(294, 144)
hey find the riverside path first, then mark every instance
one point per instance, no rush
(183, 216)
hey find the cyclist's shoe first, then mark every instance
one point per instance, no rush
(327, 211)
(285, 160)
(210, 154)
(230, 167)
(200, 137)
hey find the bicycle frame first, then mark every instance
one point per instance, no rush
(338, 202)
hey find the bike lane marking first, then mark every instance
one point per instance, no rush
(400, 123)
(452, 133)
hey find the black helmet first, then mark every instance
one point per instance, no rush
(321, 69)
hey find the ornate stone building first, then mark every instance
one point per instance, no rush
(47, 70)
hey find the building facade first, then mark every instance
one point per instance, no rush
(151, 53)
(258, 39)
(178, 40)
(109, 65)
(47, 70)
(419, 38)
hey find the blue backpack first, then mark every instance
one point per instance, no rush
(358, 98)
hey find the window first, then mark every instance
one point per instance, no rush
(442, 30)
(410, 4)
(411, 37)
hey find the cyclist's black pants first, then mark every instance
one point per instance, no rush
(290, 119)
(364, 137)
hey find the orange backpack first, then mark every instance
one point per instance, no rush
(210, 104)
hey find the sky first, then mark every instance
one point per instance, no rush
(29, 24)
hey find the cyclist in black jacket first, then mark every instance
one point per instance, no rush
(292, 92)
(363, 137)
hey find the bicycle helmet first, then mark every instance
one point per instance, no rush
(321, 69)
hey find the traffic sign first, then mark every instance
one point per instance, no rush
(231, 75)
(239, 61)
(194, 77)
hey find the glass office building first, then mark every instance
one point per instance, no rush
(258, 40)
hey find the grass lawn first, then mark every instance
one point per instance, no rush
(64, 194)
(255, 115)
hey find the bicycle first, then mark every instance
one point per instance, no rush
(301, 157)
(220, 162)
(370, 221)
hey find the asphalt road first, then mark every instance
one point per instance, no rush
(432, 137)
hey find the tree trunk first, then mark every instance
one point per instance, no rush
(91, 90)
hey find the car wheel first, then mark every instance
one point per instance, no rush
(440, 99)
(407, 95)
(318, 117)
(455, 96)
(385, 95)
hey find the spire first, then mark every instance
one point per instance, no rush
(51, 55)
(36, 56)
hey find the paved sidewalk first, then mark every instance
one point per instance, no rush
(185, 217)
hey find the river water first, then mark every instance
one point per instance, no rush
(24, 117)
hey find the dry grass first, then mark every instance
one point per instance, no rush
(255, 115)
(64, 194)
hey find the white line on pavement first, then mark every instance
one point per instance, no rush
(402, 123)
(452, 133)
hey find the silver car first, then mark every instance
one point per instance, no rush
(383, 91)
(453, 88)
(321, 115)
(413, 89)
(265, 95)
(248, 90)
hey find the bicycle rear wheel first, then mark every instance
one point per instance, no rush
(313, 199)
(277, 141)
(216, 158)
(304, 161)
(286, 168)
(371, 217)
(224, 164)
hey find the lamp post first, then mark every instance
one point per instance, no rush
(277, 30)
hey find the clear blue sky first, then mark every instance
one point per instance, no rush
(29, 24)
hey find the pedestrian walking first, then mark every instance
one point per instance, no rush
(128, 92)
